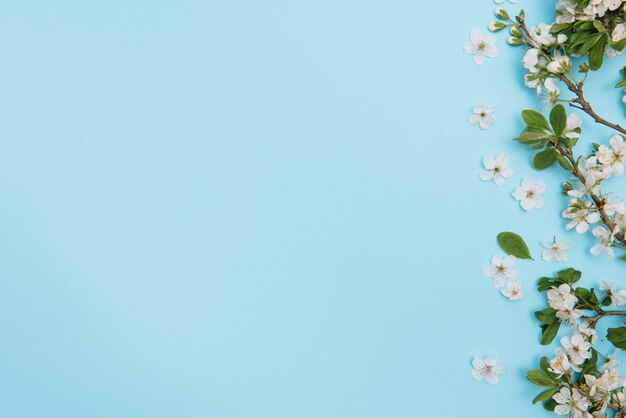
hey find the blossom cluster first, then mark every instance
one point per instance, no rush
(581, 381)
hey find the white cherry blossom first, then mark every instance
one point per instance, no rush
(615, 156)
(487, 369)
(530, 194)
(617, 296)
(605, 241)
(497, 169)
(513, 290)
(483, 116)
(501, 270)
(571, 402)
(555, 251)
(581, 216)
(481, 45)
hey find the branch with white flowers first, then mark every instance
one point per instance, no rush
(580, 380)
(585, 28)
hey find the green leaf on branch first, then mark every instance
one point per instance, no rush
(596, 54)
(564, 162)
(617, 337)
(550, 404)
(535, 119)
(546, 316)
(532, 137)
(548, 332)
(569, 275)
(558, 119)
(622, 74)
(545, 395)
(541, 378)
(544, 159)
(514, 245)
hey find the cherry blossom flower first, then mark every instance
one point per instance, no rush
(560, 364)
(513, 290)
(615, 156)
(571, 402)
(550, 96)
(497, 169)
(487, 369)
(588, 332)
(481, 45)
(610, 362)
(483, 116)
(560, 64)
(581, 216)
(530, 194)
(555, 252)
(501, 270)
(577, 347)
(617, 296)
(605, 241)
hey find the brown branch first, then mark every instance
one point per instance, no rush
(602, 314)
(606, 219)
(585, 106)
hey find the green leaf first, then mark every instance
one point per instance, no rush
(548, 332)
(514, 245)
(535, 119)
(596, 54)
(532, 137)
(546, 316)
(558, 119)
(564, 162)
(570, 275)
(541, 378)
(544, 364)
(550, 404)
(617, 337)
(545, 395)
(544, 159)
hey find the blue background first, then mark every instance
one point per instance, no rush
(240, 209)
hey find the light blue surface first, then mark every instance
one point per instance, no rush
(241, 209)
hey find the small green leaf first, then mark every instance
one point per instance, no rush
(545, 395)
(550, 404)
(535, 119)
(596, 54)
(546, 316)
(570, 275)
(548, 332)
(541, 378)
(532, 137)
(617, 337)
(564, 162)
(558, 119)
(514, 245)
(544, 159)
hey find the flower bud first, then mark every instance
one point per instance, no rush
(496, 26)
(515, 31)
(583, 68)
(502, 13)
(514, 40)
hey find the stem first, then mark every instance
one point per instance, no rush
(601, 314)
(585, 106)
